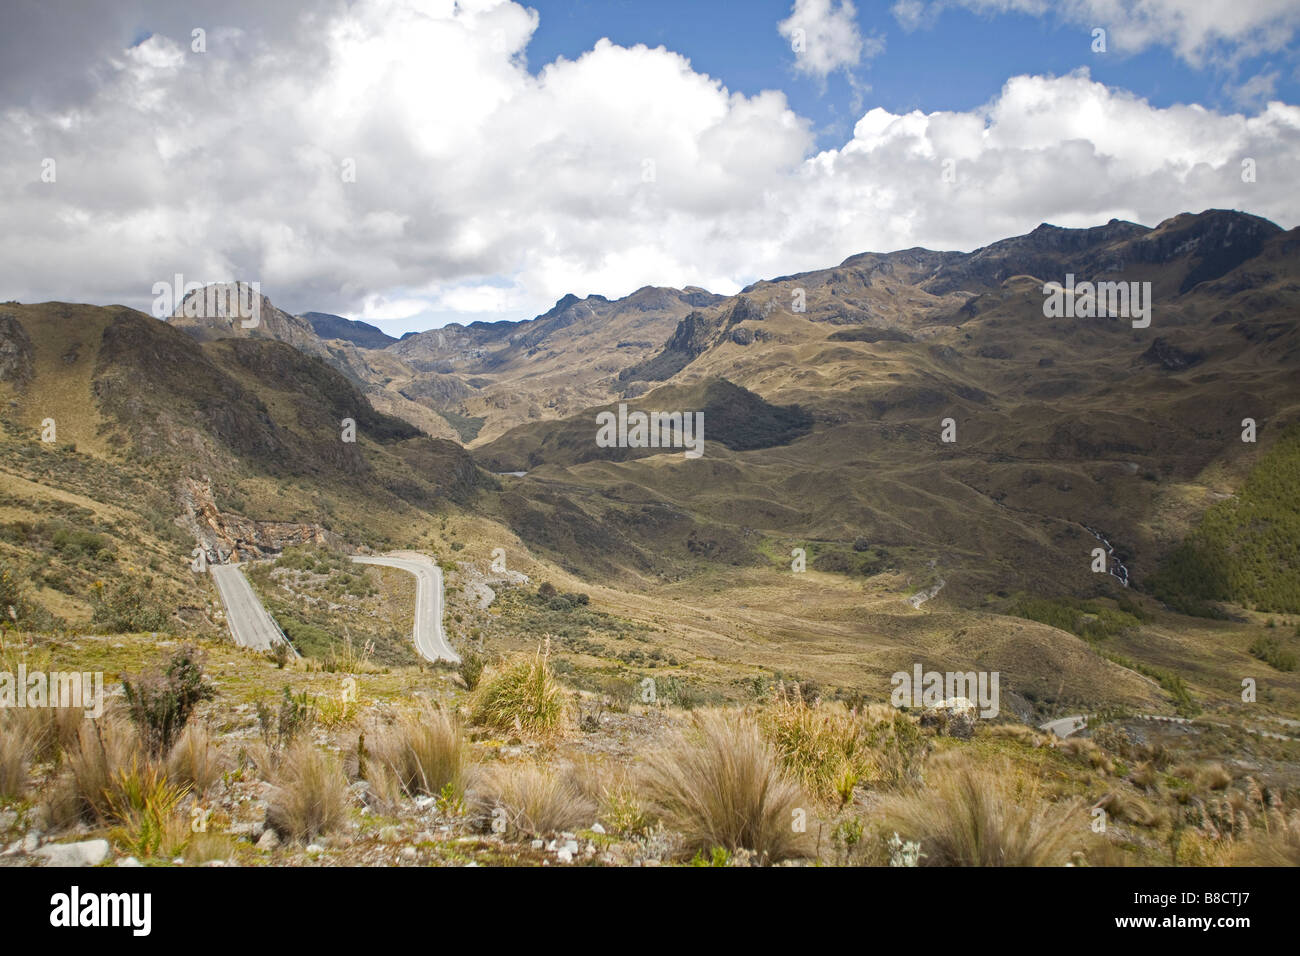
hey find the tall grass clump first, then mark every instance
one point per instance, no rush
(425, 752)
(723, 785)
(15, 760)
(971, 815)
(831, 749)
(310, 796)
(527, 800)
(522, 696)
(194, 761)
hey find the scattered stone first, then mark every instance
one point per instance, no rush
(130, 861)
(315, 848)
(538, 844)
(7, 819)
(564, 856)
(597, 828)
(408, 853)
(31, 841)
(268, 842)
(390, 834)
(87, 853)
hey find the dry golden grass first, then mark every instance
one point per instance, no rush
(194, 761)
(531, 800)
(15, 761)
(424, 752)
(971, 814)
(310, 796)
(103, 755)
(723, 785)
(831, 749)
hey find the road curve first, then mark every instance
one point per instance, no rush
(250, 624)
(430, 639)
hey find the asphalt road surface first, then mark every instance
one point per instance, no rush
(249, 623)
(430, 639)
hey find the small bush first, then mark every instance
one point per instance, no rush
(127, 608)
(310, 796)
(281, 727)
(1270, 650)
(723, 786)
(471, 669)
(160, 702)
(144, 801)
(522, 696)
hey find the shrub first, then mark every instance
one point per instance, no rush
(529, 800)
(522, 696)
(127, 608)
(1270, 650)
(425, 753)
(471, 669)
(160, 702)
(973, 816)
(723, 786)
(281, 727)
(310, 796)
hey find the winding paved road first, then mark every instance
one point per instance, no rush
(250, 624)
(430, 639)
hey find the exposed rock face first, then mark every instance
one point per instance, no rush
(236, 538)
(198, 317)
(15, 352)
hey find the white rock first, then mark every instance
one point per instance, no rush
(564, 856)
(538, 844)
(597, 828)
(315, 848)
(87, 853)
(408, 853)
(570, 847)
(268, 842)
(390, 834)
(130, 861)
(31, 842)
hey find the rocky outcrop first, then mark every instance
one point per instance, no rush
(16, 365)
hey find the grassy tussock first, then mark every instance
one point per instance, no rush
(94, 766)
(47, 731)
(831, 749)
(145, 803)
(521, 696)
(310, 796)
(194, 761)
(424, 752)
(983, 815)
(723, 785)
(15, 759)
(525, 799)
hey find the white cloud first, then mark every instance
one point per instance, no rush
(824, 37)
(1195, 30)
(481, 188)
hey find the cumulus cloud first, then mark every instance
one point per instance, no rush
(396, 158)
(824, 36)
(1197, 31)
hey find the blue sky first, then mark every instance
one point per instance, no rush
(959, 62)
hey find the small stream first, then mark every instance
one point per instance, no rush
(1114, 566)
